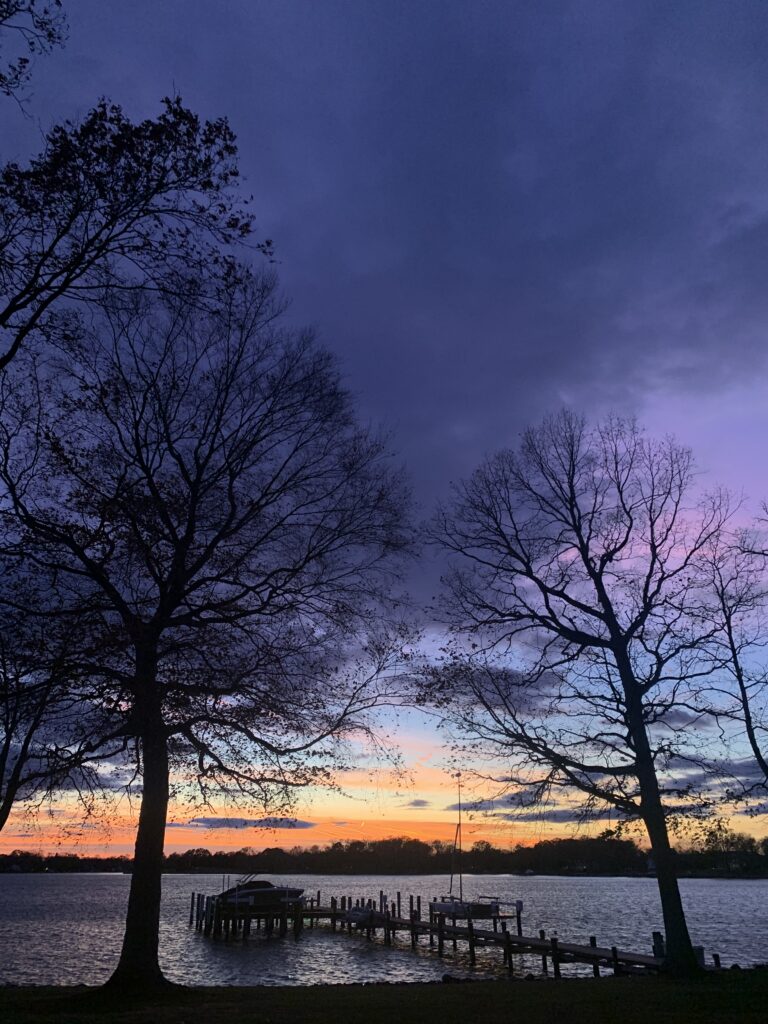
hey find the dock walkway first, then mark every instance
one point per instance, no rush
(372, 917)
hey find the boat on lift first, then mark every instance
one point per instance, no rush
(257, 894)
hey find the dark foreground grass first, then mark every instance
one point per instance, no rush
(722, 998)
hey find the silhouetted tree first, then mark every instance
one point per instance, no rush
(37, 27)
(196, 479)
(113, 202)
(737, 694)
(577, 581)
(41, 715)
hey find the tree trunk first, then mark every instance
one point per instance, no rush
(138, 964)
(680, 956)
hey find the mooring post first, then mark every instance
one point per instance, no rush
(453, 926)
(440, 933)
(387, 928)
(519, 916)
(555, 956)
(615, 960)
(418, 906)
(471, 938)
(192, 909)
(381, 901)
(543, 937)
(431, 926)
(333, 913)
(413, 928)
(595, 965)
(398, 904)
(716, 961)
(659, 945)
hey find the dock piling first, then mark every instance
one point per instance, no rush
(595, 965)
(555, 956)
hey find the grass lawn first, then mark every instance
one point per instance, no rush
(722, 998)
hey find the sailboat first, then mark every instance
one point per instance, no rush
(456, 906)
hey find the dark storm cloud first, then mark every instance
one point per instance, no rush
(559, 815)
(488, 208)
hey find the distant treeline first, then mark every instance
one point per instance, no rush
(733, 855)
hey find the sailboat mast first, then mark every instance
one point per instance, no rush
(458, 834)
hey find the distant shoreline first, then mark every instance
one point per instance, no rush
(98, 870)
(598, 857)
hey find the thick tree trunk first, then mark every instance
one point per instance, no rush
(139, 965)
(680, 956)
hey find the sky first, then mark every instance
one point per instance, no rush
(488, 210)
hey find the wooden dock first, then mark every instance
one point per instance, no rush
(398, 925)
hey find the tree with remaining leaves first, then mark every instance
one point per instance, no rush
(576, 578)
(114, 203)
(193, 475)
(31, 27)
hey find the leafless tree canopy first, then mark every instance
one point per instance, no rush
(194, 480)
(737, 691)
(577, 579)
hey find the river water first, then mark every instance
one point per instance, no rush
(66, 929)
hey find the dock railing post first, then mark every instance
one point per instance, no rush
(418, 906)
(508, 947)
(192, 909)
(413, 928)
(543, 937)
(555, 956)
(595, 965)
(440, 933)
(519, 916)
(615, 960)
(471, 938)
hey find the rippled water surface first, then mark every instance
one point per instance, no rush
(66, 929)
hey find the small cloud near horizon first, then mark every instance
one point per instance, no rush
(266, 823)
(417, 803)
